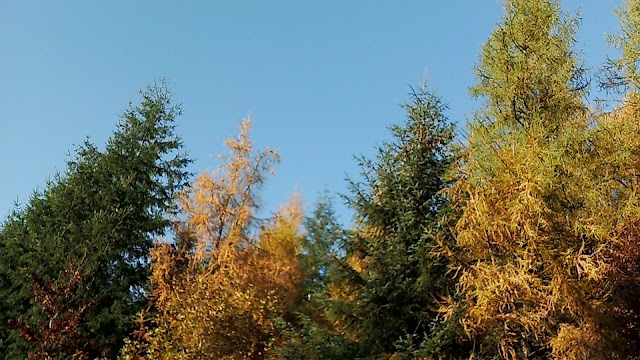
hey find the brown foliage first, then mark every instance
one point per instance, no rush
(58, 334)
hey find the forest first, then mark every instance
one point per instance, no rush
(517, 238)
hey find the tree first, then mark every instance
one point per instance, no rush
(528, 72)
(217, 290)
(101, 216)
(400, 209)
(322, 244)
(623, 73)
(540, 204)
(312, 332)
(383, 292)
(59, 336)
(618, 145)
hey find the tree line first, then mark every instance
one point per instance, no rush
(519, 242)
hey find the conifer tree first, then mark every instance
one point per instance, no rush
(384, 295)
(217, 290)
(537, 206)
(528, 72)
(314, 332)
(97, 219)
(618, 145)
(380, 294)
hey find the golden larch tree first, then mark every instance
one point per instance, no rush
(217, 290)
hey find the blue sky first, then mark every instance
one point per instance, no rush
(321, 79)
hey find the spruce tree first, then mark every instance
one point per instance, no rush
(313, 332)
(395, 275)
(98, 219)
(374, 291)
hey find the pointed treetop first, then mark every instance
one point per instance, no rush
(528, 70)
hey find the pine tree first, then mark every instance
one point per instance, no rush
(98, 218)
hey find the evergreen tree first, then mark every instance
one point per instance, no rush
(311, 333)
(322, 244)
(386, 298)
(98, 219)
(400, 208)
(375, 291)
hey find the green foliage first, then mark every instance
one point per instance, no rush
(398, 208)
(312, 339)
(321, 247)
(100, 216)
(381, 295)
(312, 332)
(528, 71)
(623, 73)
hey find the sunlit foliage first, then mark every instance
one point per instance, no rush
(217, 291)
(98, 218)
(544, 198)
(521, 243)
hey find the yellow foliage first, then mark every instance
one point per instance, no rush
(218, 300)
(549, 236)
(545, 201)
(576, 342)
(220, 205)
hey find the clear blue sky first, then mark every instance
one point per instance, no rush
(321, 79)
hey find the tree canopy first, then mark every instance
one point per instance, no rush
(518, 240)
